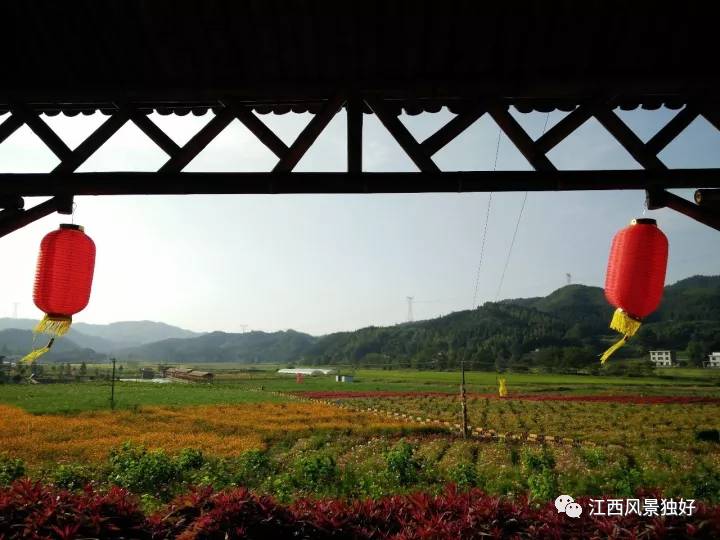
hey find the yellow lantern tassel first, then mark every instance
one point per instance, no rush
(55, 325)
(626, 325)
(37, 353)
(502, 387)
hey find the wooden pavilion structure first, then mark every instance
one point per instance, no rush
(243, 59)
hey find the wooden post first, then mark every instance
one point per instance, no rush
(112, 387)
(463, 401)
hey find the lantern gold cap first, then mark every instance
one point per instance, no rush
(643, 221)
(72, 226)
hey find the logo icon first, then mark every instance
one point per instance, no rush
(567, 505)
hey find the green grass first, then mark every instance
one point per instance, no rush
(234, 387)
(78, 397)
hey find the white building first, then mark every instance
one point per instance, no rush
(306, 371)
(662, 358)
(714, 360)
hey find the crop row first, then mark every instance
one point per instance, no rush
(662, 426)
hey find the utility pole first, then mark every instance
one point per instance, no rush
(463, 401)
(112, 387)
(243, 328)
(410, 311)
(15, 309)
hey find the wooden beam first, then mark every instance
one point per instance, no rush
(403, 137)
(9, 126)
(354, 109)
(43, 131)
(91, 144)
(199, 141)
(560, 131)
(520, 139)
(154, 133)
(183, 183)
(20, 218)
(13, 202)
(258, 128)
(707, 216)
(709, 198)
(308, 135)
(671, 130)
(451, 130)
(627, 138)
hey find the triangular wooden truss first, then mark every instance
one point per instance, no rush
(63, 183)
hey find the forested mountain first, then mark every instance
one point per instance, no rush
(567, 328)
(108, 338)
(248, 347)
(17, 343)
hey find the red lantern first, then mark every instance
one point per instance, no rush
(63, 280)
(635, 277)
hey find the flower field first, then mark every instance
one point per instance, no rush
(665, 425)
(220, 430)
(267, 464)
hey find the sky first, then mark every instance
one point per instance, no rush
(325, 263)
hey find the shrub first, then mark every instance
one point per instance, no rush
(142, 471)
(315, 473)
(70, 476)
(594, 457)
(253, 467)
(625, 479)
(464, 475)
(190, 458)
(541, 476)
(402, 465)
(10, 469)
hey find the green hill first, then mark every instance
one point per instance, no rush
(567, 328)
(17, 343)
(250, 347)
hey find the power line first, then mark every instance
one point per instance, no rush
(517, 226)
(485, 227)
(482, 251)
(512, 243)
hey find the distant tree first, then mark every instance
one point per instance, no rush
(696, 353)
(83, 369)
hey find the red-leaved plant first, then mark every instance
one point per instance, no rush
(32, 510)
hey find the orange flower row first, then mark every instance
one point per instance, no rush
(221, 430)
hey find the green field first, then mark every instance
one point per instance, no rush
(232, 385)
(76, 397)
(619, 447)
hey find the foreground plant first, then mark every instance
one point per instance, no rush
(33, 510)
